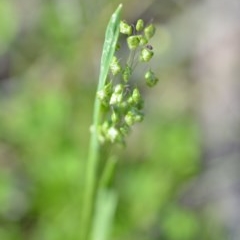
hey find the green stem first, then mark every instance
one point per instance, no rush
(91, 169)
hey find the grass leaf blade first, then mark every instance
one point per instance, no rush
(109, 46)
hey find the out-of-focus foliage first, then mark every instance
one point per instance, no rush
(46, 99)
(8, 24)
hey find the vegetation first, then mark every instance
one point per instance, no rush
(50, 187)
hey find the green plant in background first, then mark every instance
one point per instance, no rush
(118, 106)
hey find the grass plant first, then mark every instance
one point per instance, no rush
(118, 106)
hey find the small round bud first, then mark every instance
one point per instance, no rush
(133, 42)
(139, 25)
(103, 129)
(101, 95)
(133, 116)
(149, 74)
(104, 94)
(136, 96)
(149, 31)
(127, 72)
(129, 119)
(151, 79)
(130, 100)
(114, 117)
(125, 28)
(139, 117)
(146, 55)
(119, 88)
(115, 66)
(143, 41)
(116, 98)
(113, 134)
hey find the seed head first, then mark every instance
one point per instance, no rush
(146, 55)
(125, 28)
(133, 42)
(139, 25)
(149, 31)
(150, 78)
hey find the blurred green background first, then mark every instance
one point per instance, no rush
(49, 64)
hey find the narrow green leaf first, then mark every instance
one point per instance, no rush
(109, 46)
(103, 219)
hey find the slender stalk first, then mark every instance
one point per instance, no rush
(111, 38)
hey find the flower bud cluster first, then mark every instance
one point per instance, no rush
(121, 103)
(140, 39)
(124, 109)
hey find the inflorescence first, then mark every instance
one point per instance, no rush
(122, 104)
